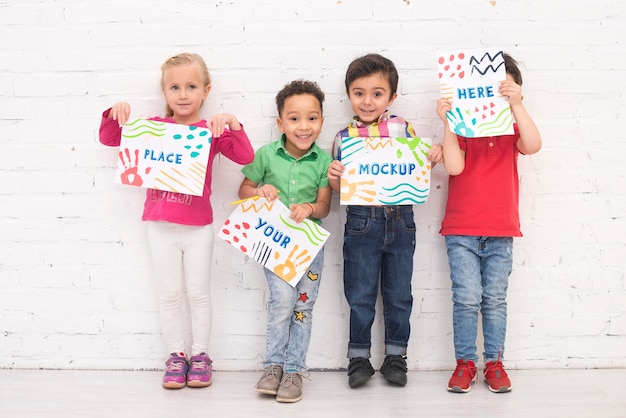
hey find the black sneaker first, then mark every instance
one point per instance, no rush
(394, 369)
(359, 371)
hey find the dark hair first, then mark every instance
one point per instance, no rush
(511, 67)
(295, 88)
(372, 64)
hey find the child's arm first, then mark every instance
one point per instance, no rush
(335, 171)
(453, 155)
(529, 138)
(249, 189)
(111, 124)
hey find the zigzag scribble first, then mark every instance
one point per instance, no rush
(256, 209)
(488, 55)
(476, 62)
(380, 143)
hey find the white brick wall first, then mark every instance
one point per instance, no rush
(75, 282)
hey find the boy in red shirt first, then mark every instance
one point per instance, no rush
(481, 219)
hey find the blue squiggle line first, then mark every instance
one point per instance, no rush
(405, 192)
(402, 201)
(391, 189)
(345, 158)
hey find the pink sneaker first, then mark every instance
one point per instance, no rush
(200, 371)
(176, 368)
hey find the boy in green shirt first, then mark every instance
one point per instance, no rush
(297, 167)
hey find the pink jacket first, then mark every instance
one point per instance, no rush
(178, 207)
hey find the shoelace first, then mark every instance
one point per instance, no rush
(272, 372)
(291, 378)
(199, 365)
(496, 366)
(176, 366)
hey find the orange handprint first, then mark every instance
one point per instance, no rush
(130, 175)
(349, 189)
(287, 270)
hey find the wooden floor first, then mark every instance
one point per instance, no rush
(121, 394)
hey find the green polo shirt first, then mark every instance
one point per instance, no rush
(297, 179)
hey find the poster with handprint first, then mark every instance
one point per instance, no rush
(471, 78)
(264, 231)
(385, 171)
(164, 156)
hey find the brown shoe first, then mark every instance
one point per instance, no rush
(270, 381)
(290, 389)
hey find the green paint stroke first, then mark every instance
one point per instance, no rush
(141, 127)
(310, 229)
(499, 125)
(416, 146)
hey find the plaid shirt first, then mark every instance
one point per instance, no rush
(387, 126)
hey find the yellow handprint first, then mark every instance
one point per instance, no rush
(287, 270)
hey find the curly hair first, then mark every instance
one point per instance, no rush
(295, 88)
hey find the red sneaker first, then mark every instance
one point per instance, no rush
(464, 376)
(496, 377)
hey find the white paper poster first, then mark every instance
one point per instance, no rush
(263, 231)
(164, 156)
(385, 171)
(471, 78)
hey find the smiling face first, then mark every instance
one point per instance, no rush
(185, 90)
(301, 122)
(370, 97)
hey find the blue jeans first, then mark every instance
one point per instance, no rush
(290, 316)
(378, 247)
(479, 270)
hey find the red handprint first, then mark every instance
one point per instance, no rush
(130, 175)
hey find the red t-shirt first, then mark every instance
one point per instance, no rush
(484, 199)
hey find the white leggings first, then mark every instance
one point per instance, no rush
(182, 256)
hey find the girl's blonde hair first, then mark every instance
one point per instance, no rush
(185, 58)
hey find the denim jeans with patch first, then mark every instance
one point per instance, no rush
(290, 316)
(479, 270)
(379, 242)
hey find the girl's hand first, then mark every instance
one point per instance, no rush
(512, 90)
(217, 123)
(444, 105)
(335, 169)
(120, 112)
(268, 191)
